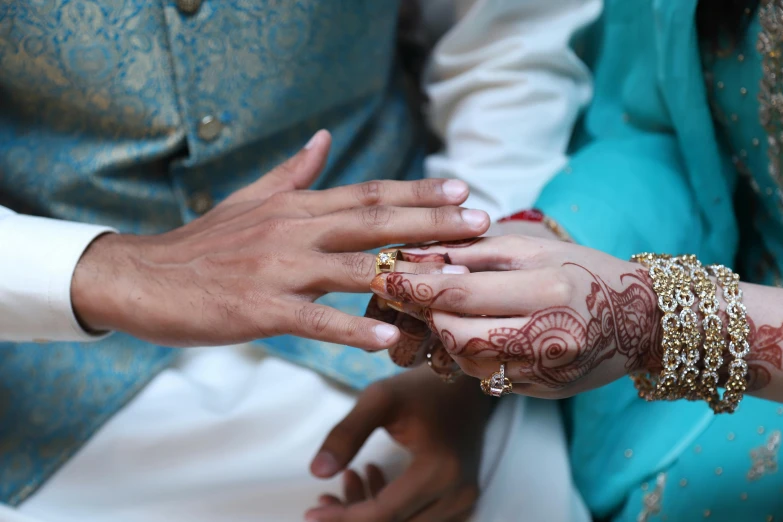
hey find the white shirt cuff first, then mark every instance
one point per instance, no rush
(37, 260)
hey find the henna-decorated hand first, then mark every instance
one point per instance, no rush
(417, 343)
(563, 317)
(441, 425)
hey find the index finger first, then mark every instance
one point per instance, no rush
(420, 193)
(373, 227)
(515, 293)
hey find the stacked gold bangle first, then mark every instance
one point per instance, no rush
(680, 283)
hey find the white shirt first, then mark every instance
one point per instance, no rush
(197, 445)
(505, 89)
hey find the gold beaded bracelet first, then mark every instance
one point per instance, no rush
(738, 339)
(714, 344)
(664, 386)
(691, 336)
(672, 279)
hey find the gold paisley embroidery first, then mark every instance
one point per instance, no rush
(652, 501)
(770, 45)
(765, 457)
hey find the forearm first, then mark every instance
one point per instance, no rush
(505, 89)
(765, 361)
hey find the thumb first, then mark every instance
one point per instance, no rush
(298, 172)
(347, 438)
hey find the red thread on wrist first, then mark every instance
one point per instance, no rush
(532, 215)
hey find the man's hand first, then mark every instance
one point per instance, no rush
(442, 426)
(252, 267)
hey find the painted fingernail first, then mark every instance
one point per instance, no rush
(378, 285)
(315, 139)
(475, 218)
(324, 465)
(455, 269)
(454, 188)
(385, 332)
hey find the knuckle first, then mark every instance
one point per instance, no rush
(352, 328)
(376, 217)
(517, 240)
(455, 298)
(280, 199)
(369, 193)
(275, 226)
(438, 216)
(422, 189)
(359, 266)
(428, 268)
(560, 287)
(313, 319)
(522, 252)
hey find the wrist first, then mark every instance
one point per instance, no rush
(652, 358)
(551, 228)
(104, 274)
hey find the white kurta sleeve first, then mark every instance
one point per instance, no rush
(505, 90)
(37, 260)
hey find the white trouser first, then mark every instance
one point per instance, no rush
(227, 434)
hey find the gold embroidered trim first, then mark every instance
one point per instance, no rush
(770, 45)
(765, 458)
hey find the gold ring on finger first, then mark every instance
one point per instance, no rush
(497, 384)
(386, 260)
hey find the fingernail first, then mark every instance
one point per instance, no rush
(475, 218)
(310, 144)
(324, 464)
(455, 269)
(385, 332)
(378, 285)
(454, 188)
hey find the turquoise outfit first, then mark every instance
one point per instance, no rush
(652, 171)
(102, 120)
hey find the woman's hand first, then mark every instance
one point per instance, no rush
(563, 318)
(417, 343)
(252, 267)
(441, 425)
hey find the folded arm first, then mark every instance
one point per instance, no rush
(505, 89)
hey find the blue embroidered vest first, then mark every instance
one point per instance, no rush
(136, 115)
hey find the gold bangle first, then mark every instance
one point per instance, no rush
(691, 336)
(557, 230)
(672, 280)
(714, 343)
(664, 386)
(738, 329)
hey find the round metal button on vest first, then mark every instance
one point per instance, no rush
(209, 128)
(188, 7)
(200, 203)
